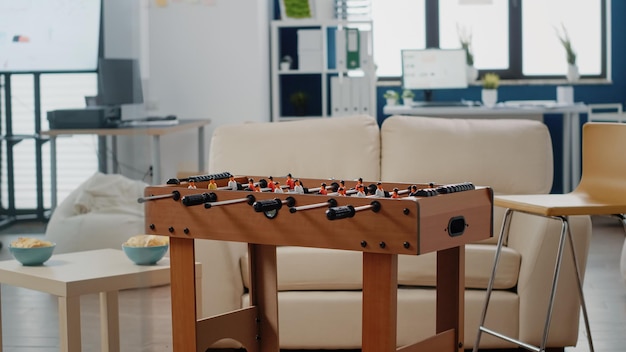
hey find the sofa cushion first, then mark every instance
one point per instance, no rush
(510, 156)
(302, 268)
(342, 148)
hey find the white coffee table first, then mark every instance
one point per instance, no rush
(68, 276)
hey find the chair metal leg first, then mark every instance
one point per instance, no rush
(581, 294)
(565, 232)
(555, 279)
(503, 231)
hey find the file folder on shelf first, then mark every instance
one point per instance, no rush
(340, 49)
(352, 48)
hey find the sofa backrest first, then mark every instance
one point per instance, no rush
(512, 156)
(340, 148)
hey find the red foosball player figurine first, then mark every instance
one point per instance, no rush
(298, 187)
(342, 188)
(192, 184)
(290, 181)
(394, 193)
(212, 184)
(323, 190)
(250, 186)
(359, 182)
(271, 184)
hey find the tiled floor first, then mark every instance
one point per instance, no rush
(37, 329)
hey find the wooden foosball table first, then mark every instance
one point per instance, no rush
(382, 221)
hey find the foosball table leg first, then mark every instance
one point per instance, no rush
(183, 281)
(380, 302)
(264, 294)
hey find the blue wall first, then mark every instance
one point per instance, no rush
(587, 93)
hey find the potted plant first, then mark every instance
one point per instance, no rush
(572, 69)
(407, 96)
(465, 38)
(491, 81)
(391, 96)
(299, 100)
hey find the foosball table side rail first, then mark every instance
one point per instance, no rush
(409, 225)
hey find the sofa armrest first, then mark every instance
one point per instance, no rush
(222, 285)
(536, 239)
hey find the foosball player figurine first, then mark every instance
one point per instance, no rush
(413, 191)
(212, 184)
(342, 188)
(271, 184)
(380, 192)
(358, 182)
(232, 184)
(192, 183)
(394, 193)
(277, 188)
(250, 186)
(323, 190)
(360, 190)
(298, 187)
(290, 181)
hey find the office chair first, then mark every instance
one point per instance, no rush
(602, 191)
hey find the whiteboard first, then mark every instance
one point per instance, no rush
(49, 36)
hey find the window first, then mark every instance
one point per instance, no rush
(76, 156)
(517, 38)
(396, 30)
(490, 42)
(543, 54)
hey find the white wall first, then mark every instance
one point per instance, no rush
(207, 60)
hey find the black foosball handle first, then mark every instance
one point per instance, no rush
(343, 212)
(197, 199)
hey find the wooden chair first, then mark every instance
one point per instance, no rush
(602, 191)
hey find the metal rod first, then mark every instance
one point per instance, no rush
(174, 195)
(226, 202)
(330, 202)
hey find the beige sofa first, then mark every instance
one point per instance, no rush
(320, 297)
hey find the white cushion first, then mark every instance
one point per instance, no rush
(510, 156)
(342, 148)
(301, 268)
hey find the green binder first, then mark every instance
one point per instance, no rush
(353, 45)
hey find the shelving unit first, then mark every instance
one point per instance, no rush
(319, 68)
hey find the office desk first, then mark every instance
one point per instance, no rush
(571, 126)
(154, 131)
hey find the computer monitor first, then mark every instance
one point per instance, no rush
(434, 69)
(119, 82)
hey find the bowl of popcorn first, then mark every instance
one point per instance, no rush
(146, 249)
(31, 251)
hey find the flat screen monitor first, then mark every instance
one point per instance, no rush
(49, 36)
(434, 69)
(119, 82)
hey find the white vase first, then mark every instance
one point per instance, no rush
(285, 66)
(572, 73)
(407, 101)
(472, 74)
(391, 101)
(489, 97)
